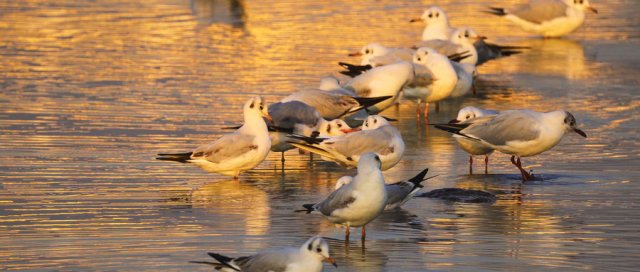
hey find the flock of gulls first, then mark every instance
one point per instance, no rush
(339, 121)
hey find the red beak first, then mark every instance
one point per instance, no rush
(356, 54)
(580, 132)
(351, 130)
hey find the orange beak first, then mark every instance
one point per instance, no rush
(480, 38)
(594, 10)
(268, 118)
(331, 261)
(356, 54)
(415, 20)
(351, 130)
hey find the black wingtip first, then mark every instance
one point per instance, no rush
(224, 260)
(308, 140)
(178, 157)
(353, 70)
(453, 128)
(496, 11)
(308, 208)
(419, 178)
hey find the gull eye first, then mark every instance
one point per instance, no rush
(437, 14)
(430, 15)
(466, 34)
(319, 250)
(581, 1)
(366, 51)
(339, 125)
(468, 116)
(261, 107)
(419, 59)
(309, 247)
(375, 121)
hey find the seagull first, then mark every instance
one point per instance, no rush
(375, 54)
(399, 192)
(461, 41)
(359, 202)
(332, 105)
(520, 133)
(232, 153)
(467, 115)
(295, 117)
(382, 81)
(377, 135)
(308, 257)
(437, 24)
(435, 79)
(549, 18)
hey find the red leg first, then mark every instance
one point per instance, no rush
(364, 233)
(426, 113)
(486, 164)
(470, 165)
(347, 233)
(437, 106)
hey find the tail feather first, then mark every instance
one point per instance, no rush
(457, 57)
(224, 260)
(308, 208)
(179, 157)
(419, 178)
(496, 11)
(353, 70)
(366, 102)
(454, 128)
(308, 140)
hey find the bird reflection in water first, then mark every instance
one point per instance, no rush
(230, 12)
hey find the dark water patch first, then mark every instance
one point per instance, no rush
(460, 195)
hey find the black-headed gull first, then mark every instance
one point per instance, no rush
(232, 153)
(377, 135)
(399, 192)
(520, 133)
(549, 18)
(472, 146)
(437, 24)
(382, 81)
(375, 54)
(308, 257)
(359, 202)
(332, 105)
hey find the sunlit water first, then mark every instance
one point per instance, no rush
(91, 90)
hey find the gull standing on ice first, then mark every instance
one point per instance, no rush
(549, 18)
(468, 115)
(399, 192)
(359, 202)
(520, 133)
(308, 257)
(232, 153)
(377, 135)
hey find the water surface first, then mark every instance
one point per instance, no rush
(90, 91)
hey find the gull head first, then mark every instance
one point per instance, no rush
(467, 113)
(373, 122)
(433, 16)
(570, 124)
(370, 50)
(465, 35)
(581, 5)
(318, 248)
(335, 127)
(369, 161)
(256, 106)
(426, 56)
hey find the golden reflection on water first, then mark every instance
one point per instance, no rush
(91, 91)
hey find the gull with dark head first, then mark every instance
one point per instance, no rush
(549, 18)
(520, 133)
(359, 202)
(308, 257)
(232, 153)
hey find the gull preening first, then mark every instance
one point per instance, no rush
(232, 153)
(520, 133)
(377, 135)
(358, 202)
(308, 257)
(399, 192)
(549, 18)
(467, 115)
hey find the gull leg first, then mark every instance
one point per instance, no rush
(364, 233)
(513, 161)
(486, 164)
(525, 175)
(473, 88)
(346, 234)
(438, 106)
(282, 157)
(470, 165)
(426, 113)
(418, 110)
